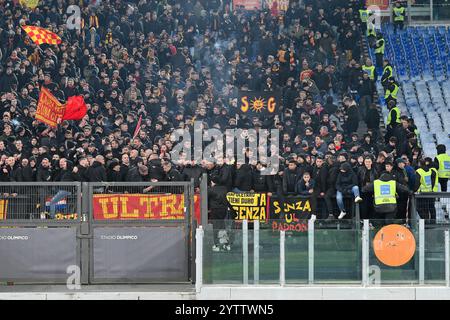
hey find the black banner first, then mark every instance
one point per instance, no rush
(290, 213)
(259, 103)
(248, 205)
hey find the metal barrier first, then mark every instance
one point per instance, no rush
(434, 207)
(101, 232)
(429, 263)
(34, 249)
(38, 200)
(140, 232)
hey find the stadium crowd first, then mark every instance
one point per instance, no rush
(176, 62)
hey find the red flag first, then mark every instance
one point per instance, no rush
(75, 108)
(138, 127)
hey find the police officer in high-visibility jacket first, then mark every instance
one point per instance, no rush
(388, 73)
(426, 182)
(393, 119)
(442, 164)
(364, 16)
(370, 69)
(379, 50)
(399, 16)
(391, 90)
(371, 32)
(385, 191)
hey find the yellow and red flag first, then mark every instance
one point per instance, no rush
(49, 109)
(29, 3)
(40, 35)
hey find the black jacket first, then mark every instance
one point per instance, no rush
(333, 172)
(262, 183)
(290, 179)
(346, 180)
(366, 176)
(195, 172)
(173, 175)
(123, 172)
(302, 189)
(43, 174)
(81, 175)
(221, 176)
(217, 197)
(13, 174)
(366, 88)
(133, 175)
(243, 178)
(155, 170)
(97, 172)
(114, 176)
(27, 174)
(320, 176)
(64, 175)
(373, 119)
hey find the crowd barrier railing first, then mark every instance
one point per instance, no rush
(144, 233)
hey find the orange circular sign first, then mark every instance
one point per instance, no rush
(394, 245)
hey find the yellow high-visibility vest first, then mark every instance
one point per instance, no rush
(384, 192)
(397, 117)
(388, 69)
(371, 31)
(444, 165)
(399, 14)
(426, 183)
(381, 48)
(392, 93)
(364, 15)
(370, 70)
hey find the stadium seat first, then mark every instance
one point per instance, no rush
(422, 65)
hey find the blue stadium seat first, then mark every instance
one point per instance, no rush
(421, 56)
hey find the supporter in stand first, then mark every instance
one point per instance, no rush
(175, 62)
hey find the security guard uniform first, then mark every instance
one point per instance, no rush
(399, 17)
(371, 32)
(388, 73)
(384, 195)
(392, 119)
(428, 183)
(442, 162)
(385, 191)
(380, 46)
(364, 16)
(426, 180)
(391, 91)
(370, 71)
(444, 165)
